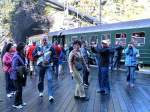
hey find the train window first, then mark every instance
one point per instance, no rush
(121, 38)
(74, 38)
(106, 37)
(138, 38)
(93, 39)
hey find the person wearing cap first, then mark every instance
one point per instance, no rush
(131, 55)
(104, 54)
(43, 52)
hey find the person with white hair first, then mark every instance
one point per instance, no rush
(44, 62)
(103, 77)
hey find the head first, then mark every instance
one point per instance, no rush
(83, 44)
(104, 43)
(44, 41)
(55, 42)
(76, 45)
(130, 45)
(34, 43)
(9, 47)
(21, 47)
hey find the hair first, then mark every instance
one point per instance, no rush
(8, 46)
(77, 42)
(20, 46)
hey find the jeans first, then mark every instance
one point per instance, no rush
(9, 83)
(131, 74)
(18, 95)
(42, 72)
(103, 79)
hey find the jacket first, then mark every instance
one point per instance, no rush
(16, 63)
(131, 55)
(7, 62)
(30, 52)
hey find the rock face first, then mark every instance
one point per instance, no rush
(28, 19)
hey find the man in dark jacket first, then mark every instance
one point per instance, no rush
(117, 55)
(103, 66)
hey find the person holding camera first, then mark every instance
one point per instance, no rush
(76, 64)
(44, 63)
(131, 55)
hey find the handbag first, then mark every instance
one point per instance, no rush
(78, 66)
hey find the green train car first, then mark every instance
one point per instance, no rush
(137, 31)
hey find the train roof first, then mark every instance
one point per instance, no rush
(106, 27)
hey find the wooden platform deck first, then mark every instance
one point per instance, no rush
(121, 98)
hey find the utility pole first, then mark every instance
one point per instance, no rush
(100, 12)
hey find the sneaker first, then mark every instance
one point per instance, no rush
(13, 93)
(132, 85)
(41, 94)
(127, 83)
(9, 95)
(51, 98)
(85, 86)
(18, 107)
(76, 97)
(24, 104)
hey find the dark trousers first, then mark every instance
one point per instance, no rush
(103, 78)
(55, 68)
(18, 95)
(117, 61)
(85, 76)
(9, 83)
(42, 72)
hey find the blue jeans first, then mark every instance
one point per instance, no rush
(42, 72)
(131, 74)
(103, 79)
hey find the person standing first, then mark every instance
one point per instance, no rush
(57, 50)
(44, 61)
(131, 55)
(19, 74)
(7, 62)
(117, 55)
(75, 64)
(32, 60)
(84, 54)
(103, 76)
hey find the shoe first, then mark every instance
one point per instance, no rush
(84, 98)
(9, 95)
(17, 107)
(51, 98)
(76, 97)
(127, 83)
(24, 104)
(13, 93)
(41, 94)
(85, 86)
(132, 85)
(100, 91)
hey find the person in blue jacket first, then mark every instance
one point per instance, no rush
(131, 55)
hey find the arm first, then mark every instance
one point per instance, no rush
(70, 61)
(7, 60)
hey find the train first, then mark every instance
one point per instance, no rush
(137, 31)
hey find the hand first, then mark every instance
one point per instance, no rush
(88, 69)
(45, 62)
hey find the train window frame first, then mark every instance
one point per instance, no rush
(125, 38)
(110, 41)
(132, 36)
